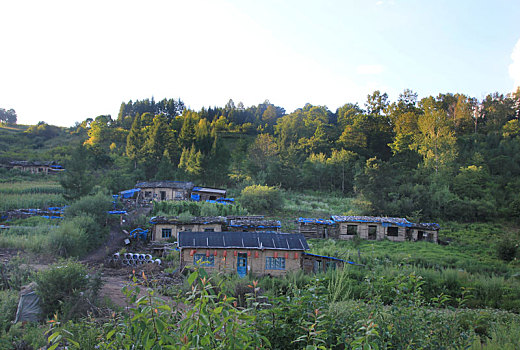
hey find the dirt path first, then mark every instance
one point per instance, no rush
(112, 244)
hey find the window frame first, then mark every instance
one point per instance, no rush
(352, 226)
(166, 229)
(396, 234)
(272, 263)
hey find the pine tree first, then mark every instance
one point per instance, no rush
(76, 181)
(134, 141)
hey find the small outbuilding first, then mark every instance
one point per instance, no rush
(35, 167)
(165, 228)
(313, 263)
(164, 190)
(257, 253)
(379, 228)
(317, 228)
(202, 194)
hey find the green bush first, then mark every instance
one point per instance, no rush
(76, 236)
(8, 305)
(95, 206)
(507, 249)
(260, 199)
(62, 282)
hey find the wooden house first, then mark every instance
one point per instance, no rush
(379, 228)
(253, 224)
(166, 228)
(164, 190)
(257, 253)
(317, 228)
(202, 194)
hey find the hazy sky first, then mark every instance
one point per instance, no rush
(65, 61)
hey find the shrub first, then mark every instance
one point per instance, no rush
(261, 199)
(63, 281)
(507, 249)
(75, 237)
(8, 305)
(95, 206)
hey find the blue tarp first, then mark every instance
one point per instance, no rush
(129, 193)
(225, 200)
(51, 217)
(117, 212)
(139, 233)
(195, 197)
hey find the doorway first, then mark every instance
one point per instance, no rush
(242, 264)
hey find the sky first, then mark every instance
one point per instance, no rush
(64, 61)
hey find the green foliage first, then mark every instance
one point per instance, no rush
(77, 180)
(212, 322)
(175, 208)
(507, 249)
(95, 205)
(261, 199)
(14, 274)
(62, 284)
(8, 306)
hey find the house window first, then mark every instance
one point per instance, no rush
(352, 230)
(209, 230)
(392, 231)
(147, 194)
(420, 235)
(203, 260)
(274, 263)
(163, 195)
(372, 232)
(166, 232)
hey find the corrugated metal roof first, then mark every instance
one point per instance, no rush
(209, 190)
(243, 240)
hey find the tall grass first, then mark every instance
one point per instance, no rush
(26, 238)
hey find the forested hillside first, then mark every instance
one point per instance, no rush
(442, 157)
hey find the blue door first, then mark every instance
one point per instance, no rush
(242, 264)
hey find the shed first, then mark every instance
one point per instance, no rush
(164, 190)
(201, 194)
(317, 228)
(258, 253)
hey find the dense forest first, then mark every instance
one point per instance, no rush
(443, 157)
